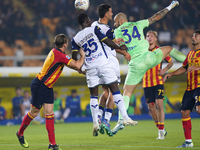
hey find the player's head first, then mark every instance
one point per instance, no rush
(73, 93)
(196, 38)
(151, 37)
(26, 94)
(61, 41)
(18, 91)
(105, 10)
(84, 20)
(119, 19)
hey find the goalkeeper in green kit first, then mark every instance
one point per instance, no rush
(141, 58)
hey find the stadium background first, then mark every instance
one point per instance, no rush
(32, 25)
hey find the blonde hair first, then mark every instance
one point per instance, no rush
(154, 32)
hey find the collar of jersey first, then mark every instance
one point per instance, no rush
(153, 48)
(196, 50)
(59, 50)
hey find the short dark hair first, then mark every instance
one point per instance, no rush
(73, 91)
(60, 39)
(103, 9)
(82, 18)
(197, 31)
(18, 88)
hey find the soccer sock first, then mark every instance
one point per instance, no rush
(126, 102)
(179, 56)
(94, 106)
(161, 125)
(118, 100)
(101, 110)
(156, 122)
(187, 127)
(26, 121)
(108, 114)
(50, 128)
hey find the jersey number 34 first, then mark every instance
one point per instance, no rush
(135, 34)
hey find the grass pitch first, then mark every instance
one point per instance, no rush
(78, 136)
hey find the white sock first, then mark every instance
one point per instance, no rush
(101, 110)
(119, 102)
(189, 140)
(94, 106)
(108, 114)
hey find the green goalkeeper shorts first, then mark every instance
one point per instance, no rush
(138, 66)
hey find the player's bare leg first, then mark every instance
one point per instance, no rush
(161, 118)
(198, 109)
(103, 99)
(108, 114)
(153, 112)
(168, 50)
(106, 97)
(128, 90)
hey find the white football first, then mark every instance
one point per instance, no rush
(81, 5)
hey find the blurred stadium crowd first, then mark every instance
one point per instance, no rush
(33, 24)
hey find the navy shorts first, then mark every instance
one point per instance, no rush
(40, 93)
(190, 98)
(153, 93)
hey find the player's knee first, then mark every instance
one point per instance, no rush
(198, 111)
(185, 113)
(34, 112)
(151, 106)
(159, 104)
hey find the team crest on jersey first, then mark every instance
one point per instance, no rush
(68, 57)
(102, 32)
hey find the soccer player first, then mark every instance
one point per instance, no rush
(191, 97)
(97, 67)
(42, 88)
(154, 88)
(141, 59)
(105, 14)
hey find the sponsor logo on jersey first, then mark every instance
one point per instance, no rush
(131, 48)
(94, 57)
(68, 57)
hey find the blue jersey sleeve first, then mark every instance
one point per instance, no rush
(101, 36)
(75, 47)
(110, 34)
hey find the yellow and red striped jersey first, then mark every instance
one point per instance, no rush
(193, 78)
(53, 66)
(151, 77)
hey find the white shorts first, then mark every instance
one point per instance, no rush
(115, 64)
(101, 75)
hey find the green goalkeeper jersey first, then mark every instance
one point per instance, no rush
(132, 33)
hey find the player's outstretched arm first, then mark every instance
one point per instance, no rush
(113, 45)
(179, 71)
(78, 63)
(159, 15)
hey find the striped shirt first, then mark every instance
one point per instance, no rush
(151, 77)
(193, 78)
(53, 66)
